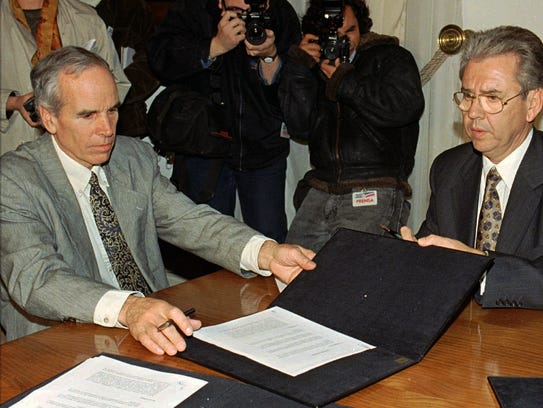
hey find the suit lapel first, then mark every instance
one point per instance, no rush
(525, 197)
(466, 196)
(68, 207)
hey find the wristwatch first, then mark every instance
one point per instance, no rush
(269, 59)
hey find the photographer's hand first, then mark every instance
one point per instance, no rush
(266, 49)
(310, 44)
(16, 102)
(329, 67)
(230, 32)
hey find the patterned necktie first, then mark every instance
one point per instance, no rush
(490, 217)
(124, 266)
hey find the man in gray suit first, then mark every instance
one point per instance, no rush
(501, 96)
(54, 256)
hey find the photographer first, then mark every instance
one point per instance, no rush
(232, 51)
(359, 114)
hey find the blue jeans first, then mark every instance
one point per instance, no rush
(261, 194)
(321, 214)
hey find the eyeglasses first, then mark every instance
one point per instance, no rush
(491, 104)
(237, 9)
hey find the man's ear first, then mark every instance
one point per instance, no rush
(535, 104)
(219, 4)
(48, 120)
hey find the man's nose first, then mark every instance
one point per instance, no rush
(476, 109)
(106, 125)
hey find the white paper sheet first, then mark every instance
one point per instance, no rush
(106, 382)
(282, 340)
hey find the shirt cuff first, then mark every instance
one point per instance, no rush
(482, 284)
(106, 312)
(249, 255)
(207, 63)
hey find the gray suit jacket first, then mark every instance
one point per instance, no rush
(516, 278)
(48, 267)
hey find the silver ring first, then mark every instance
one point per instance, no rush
(165, 325)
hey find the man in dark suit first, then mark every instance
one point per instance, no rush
(501, 96)
(81, 212)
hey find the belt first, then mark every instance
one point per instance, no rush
(347, 186)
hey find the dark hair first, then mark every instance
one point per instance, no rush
(45, 75)
(518, 41)
(312, 18)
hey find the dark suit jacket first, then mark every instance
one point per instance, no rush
(516, 278)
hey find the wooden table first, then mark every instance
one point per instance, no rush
(480, 343)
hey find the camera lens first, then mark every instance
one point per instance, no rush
(255, 34)
(330, 50)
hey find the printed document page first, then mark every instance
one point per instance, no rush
(106, 382)
(282, 340)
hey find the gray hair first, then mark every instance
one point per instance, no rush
(45, 76)
(522, 43)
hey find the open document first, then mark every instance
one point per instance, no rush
(282, 340)
(105, 382)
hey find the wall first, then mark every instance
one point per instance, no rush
(481, 14)
(524, 13)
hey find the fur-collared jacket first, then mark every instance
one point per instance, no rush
(362, 123)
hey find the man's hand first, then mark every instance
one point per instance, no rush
(437, 240)
(407, 234)
(266, 49)
(142, 316)
(16, 102)
(310, 44)
(285, 261)
(230, 32)
(328, 67)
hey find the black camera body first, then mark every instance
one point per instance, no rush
(30, 107)
(256, 21)
(326, 28)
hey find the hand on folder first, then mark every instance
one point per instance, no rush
(437, 240)
(285, 261)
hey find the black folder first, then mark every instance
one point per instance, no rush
(217, 393)
(518, 392)
(392, 294)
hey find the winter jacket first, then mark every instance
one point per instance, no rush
(362, 123)
(178, 54)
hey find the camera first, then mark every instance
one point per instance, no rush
(257, 20)
(30, 107)
(326, 26)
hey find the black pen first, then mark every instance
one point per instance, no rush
(189, 312)
(168, 323)
(395, 234)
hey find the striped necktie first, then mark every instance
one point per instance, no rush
(122, 262)
(490, 217)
